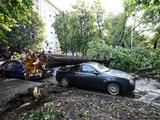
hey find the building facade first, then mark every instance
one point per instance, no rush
(46, 9)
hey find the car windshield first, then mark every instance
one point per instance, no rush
(100, 67)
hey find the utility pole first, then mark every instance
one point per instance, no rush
(132, 38)
(132, 31)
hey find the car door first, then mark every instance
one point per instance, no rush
(90, 78)
(14, 69)
(75, 76)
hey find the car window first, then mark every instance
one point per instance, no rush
(88, 69)
(65, 69)
(13, 66)
(75, 68)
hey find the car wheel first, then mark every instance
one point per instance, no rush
(113, 88)
(64, 82)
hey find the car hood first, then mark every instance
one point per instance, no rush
(116, 73)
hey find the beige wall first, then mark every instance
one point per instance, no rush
(47, 11)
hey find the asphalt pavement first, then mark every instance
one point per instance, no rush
(10, 87)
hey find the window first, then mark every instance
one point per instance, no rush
(65, 69)
(51, 48)
(13, 66)
(100, 67)
(88, 69)
(75, 68)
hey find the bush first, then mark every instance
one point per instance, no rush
(125, 59)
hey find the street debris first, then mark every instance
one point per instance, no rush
(37, 93)
(77, 104)
(34, 65)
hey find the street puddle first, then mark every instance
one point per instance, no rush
(149, 85)
(151, 88)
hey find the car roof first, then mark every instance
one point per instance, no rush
(85, 63)
(19, 61)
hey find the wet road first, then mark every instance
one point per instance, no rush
(147, 90)
(150, 90)
(10, 87)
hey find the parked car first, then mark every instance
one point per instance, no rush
(97, 76)
(15, 68)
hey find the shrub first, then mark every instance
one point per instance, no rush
(125, 59)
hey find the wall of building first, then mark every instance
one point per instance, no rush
(47, 10)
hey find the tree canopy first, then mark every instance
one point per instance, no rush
(150, 16)
(76, 28)
(10, 12)
(27, 35)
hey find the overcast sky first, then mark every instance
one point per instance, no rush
(113, 6)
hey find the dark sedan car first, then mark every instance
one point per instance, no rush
(95, 75)
(15, 68)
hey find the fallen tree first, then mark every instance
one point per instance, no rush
(62, 60)
(149, 72)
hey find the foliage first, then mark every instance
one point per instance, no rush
(27, 35)
(150, 16)
(61, 29)
(76, 28)
(17, 56)
(45, 113)
(118, 34)
(109, 37)
(85, 23)
(10, 12)
(115, 25)
(99, 13)
(125, 59)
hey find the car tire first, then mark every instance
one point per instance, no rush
(64, 82)
(113, 88)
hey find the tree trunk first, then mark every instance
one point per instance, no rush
(155, 44)
(122, 32)
(99, 27)
(62, 60)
